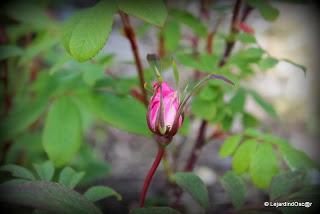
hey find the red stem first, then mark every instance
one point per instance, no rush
(150, 174)
(131, 36)
(197, 147)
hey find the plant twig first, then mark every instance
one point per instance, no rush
(197, 146)
(130, 34)
(233, 30)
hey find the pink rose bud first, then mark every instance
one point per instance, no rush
(164, 117)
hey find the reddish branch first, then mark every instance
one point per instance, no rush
(130, 34)
(197, 146)
(150, 174)
(233, 30)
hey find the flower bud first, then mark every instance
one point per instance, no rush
(163, 116)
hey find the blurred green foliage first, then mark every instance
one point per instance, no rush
(59, 85)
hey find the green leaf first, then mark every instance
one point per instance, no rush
(45, 170)
(237, 102)
(267, 11)
(172, 34)
(154, 12)
(21, 117)
(294, 158)
(86, 32)
(189, 20)
(184, 129)
(246, 38)
(114, 110)
(70, 178)
(249, 120)
(251, 132)
(62, 133)
(43, 42)
(97, 193)
(268, 108)
(93, 164)
(192, 184)
(267, 63)
(18, 171)
(175, 73)
(204, 109)
(235, 187)
(285, 183)
(30, 13)
(8, 51)
(94, 73)
(208, 93)
(47, 196)
(242, 157)
(263, 166)
(246, 56)
(154, 210)
(229, 145)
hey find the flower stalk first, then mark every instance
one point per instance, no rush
(147, 181)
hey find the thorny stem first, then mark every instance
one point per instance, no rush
(130, 34)
(150, 174)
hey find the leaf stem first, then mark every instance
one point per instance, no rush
(150, 174)
(130, 34)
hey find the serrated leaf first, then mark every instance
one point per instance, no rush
(229, 145)
(18, 171)
(237, 102)
(285, 183)
(87, 31)
(154, 210)
(47, 196)
(62, 135)
(45, 170)
(154, 12)
(97, 193)
(242, 157)
(189, 20)
(8, 51)
(69, 177)
(268, 108)
(235, 187)
(192, 184)
(267, 11)
(263, 166)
